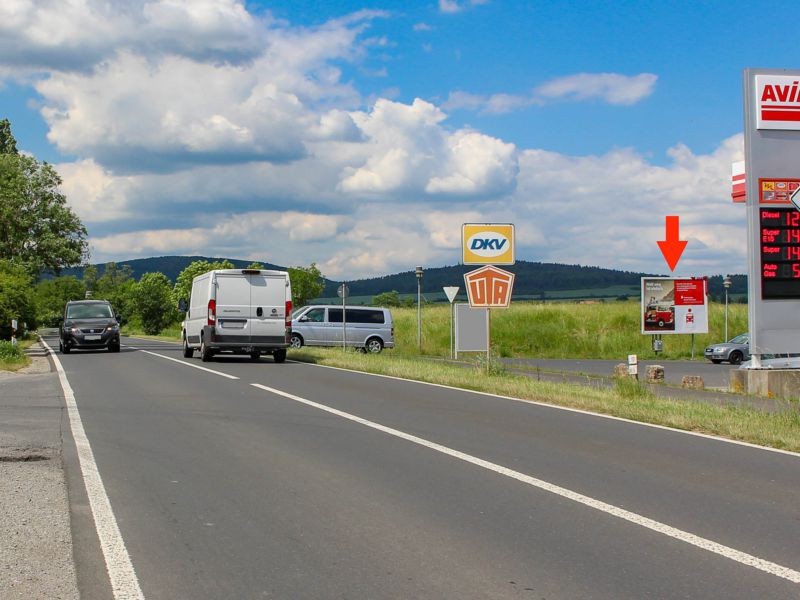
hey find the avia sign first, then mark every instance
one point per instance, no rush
(487, 243)
(489, 287)
(777, 102)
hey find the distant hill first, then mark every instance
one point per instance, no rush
(533, 279)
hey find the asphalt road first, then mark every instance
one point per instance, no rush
(322, 483)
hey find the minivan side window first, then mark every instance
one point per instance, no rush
(356, 315)
(315, 315)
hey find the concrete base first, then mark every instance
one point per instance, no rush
(769, 383)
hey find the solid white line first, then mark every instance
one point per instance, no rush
(124, 583)
(684, 536)
(564, 408)
(188, 364)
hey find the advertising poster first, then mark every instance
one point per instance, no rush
(674, 305)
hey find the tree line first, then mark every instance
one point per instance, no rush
(40, 233)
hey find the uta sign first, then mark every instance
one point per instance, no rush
(489, 287)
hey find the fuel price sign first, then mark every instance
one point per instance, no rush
(779, 239)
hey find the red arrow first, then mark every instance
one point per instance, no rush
(672, 247)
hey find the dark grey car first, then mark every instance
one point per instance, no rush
(89, 324)
(734, 351)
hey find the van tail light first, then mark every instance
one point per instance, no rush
(288, 317)
(212, 313)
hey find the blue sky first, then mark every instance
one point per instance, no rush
(361, 135)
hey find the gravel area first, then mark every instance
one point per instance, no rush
(36, 559)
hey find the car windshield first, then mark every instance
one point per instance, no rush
(89, 311)
(740, 339)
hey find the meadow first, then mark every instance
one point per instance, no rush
(607, 330)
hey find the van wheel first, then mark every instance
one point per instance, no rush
(205, 351)
(279, 355)
(113, 347)
(296, 341)
(255, 355)
(64, 348)
(374, 345)
(188, 352)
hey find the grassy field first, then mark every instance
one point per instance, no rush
(608, 330)
(13, 358)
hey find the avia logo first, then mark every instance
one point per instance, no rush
(778, 101)
(488, 244)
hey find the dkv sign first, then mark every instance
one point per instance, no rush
(487, 243)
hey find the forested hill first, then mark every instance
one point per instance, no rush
(532, 278)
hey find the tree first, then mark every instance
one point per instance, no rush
(307, 283)
(51, 296)
(390, 299)
(16, 298)
(37, 228)
(90, 277)
(152, 302)
(183, 285)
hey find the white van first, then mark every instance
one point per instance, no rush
(240, 311)
(369, 328)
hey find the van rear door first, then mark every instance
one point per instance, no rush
(268, 295)
(251, 307)
(233, 307)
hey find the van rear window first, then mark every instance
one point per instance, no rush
(356, 315)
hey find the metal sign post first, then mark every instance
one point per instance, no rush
(451, 293)
(343, 291)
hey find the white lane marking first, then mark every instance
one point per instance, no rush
(684, 536)
(564, 408)
(124, 583)
(181, 362)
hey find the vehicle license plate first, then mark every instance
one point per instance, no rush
(233, 324)
(91, 338)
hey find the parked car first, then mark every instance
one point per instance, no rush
(238, 311)
(734, 351)
(89, 324)
(369, 328)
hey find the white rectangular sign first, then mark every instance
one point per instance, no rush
(777, 102)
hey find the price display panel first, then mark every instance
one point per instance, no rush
(780, 252)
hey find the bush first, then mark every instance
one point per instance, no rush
(11, 353)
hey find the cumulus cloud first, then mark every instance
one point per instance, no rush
(199, 128)
(408, 151)
(79, 34)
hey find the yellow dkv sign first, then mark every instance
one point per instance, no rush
(487, 243)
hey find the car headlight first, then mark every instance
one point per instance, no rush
(112, 328)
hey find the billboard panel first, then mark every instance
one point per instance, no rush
(671, 305)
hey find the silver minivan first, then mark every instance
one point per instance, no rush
(367, 327)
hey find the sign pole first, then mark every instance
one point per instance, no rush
(488, 337)
(452, 326)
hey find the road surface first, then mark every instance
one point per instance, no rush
(235, 479)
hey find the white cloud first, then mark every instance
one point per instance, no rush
(201, 129)
(454, 6)
(609, 87)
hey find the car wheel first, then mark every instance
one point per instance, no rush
(205, 351)
(187, 351)
(64, 348)
(374, 345)
(113, 347)
(279, 355)
(736, 357)
(716, 361)
(296, 341)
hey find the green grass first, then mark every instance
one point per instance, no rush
(13, 358)
(603, 330)
(629, 399)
